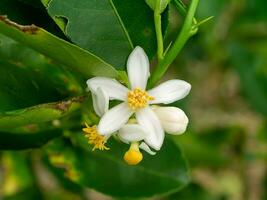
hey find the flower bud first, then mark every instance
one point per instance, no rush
(173, 120)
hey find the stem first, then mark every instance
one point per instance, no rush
(184, 35)
(157, 21)
(182, 9)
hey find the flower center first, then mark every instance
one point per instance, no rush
(94, 138)
(138, 98)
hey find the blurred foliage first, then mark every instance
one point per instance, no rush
(226, 63)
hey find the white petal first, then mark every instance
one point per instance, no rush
(132, 133)
(114, 119)
(146, 148)
(113, 88)
(138, 68)
(100, 102)
(173, 120)
(169, 91)
(155, 134)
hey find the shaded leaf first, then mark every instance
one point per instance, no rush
(39, 113)
(19, 88)
(106, 171)
(20, 141)
(57, 49)
(29, 12)
(38, 69)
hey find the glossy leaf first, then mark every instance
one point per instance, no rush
(57, 49)
(108, 28)
(37, 69)
(106, 171)
(19, 89)
(139, 22)
(39, 113)
(29, 12)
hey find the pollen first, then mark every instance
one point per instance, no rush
(94, 138)
(138, 98)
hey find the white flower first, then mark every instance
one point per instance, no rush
(129, 133)
(137, 100)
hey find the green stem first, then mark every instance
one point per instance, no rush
(184, 35)
(157, 21)
(182, 9)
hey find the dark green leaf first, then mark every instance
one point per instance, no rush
(59, 50)
(108, 28)
(39, 113)
(29, 12)
(27, 78)
(19, 89)
(106, 171)
(19, 141)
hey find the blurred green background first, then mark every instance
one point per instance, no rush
(226, 62)
(226, 142)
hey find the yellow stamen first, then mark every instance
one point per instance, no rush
(138, 98)
(133, 156)
(95, 138)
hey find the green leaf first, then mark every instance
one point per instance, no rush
(166, 172)
(37, 67)
(19, 89)
(108, 28)
(139, 22)
(21, 141)
(163, 4)
(39, 113)
(29, 12)
(57, 49)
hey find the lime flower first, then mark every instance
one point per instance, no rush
(137, 101)
(129, 133)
